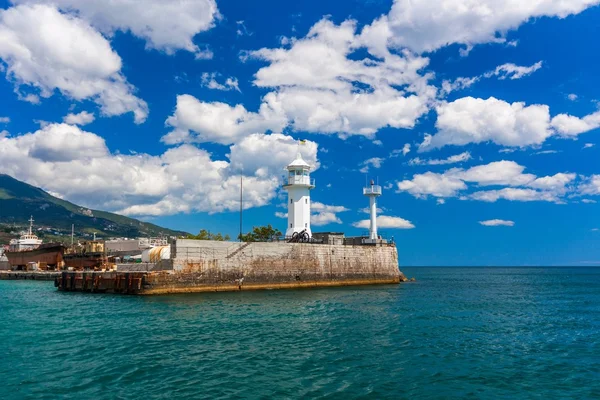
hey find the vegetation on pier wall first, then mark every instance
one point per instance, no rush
(206, 235)
(261, 234)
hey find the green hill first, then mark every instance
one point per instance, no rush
(19, 201)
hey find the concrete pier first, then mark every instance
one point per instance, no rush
(206, 266)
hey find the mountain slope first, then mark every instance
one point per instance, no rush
(19, 201)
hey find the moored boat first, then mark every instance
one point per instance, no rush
(29, 252)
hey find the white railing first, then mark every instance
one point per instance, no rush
(300, 180)
(374, 189)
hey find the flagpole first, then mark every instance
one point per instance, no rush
(241, 201)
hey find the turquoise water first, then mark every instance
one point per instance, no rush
(455, 333)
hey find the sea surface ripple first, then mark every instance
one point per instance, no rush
(455, 333)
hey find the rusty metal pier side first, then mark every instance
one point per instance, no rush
(101, 282)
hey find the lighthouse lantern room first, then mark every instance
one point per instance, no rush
(298, 187)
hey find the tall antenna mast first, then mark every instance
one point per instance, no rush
(241, 201)
(72, 233)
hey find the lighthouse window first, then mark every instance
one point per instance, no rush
(306, 225)
(305, 201)
(290, 225)
(291, 201)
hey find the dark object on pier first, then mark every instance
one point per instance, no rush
(300, 237)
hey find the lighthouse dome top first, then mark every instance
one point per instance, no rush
(298, 163)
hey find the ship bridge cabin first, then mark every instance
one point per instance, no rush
(28, 241)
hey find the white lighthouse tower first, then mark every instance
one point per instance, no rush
(298, 187)
(372, 192)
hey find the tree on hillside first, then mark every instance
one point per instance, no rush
(206, 235)
(261, 234)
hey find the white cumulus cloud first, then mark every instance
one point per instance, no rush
(198, 121)
(78, 166)
(374, 162)
(164, 25)
(82, 118)
(209, 80)
(497, 222)
(457, 158)
(472, 120)
(321, 88)
(425, 26)
(323, 214)
(570, 126)
(47, 51)
(384, 221)
(316, 86)
(406, 149)
(504, 71)
(432, 184)
(269, 154)
(555, 183)
(518, 186)
(512, 71)
(590, 186)
(495, 173)
(514, 194)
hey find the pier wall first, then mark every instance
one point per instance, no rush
(200, 265)
(207, 266)
(163, 265)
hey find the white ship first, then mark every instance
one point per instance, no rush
(28, 241)
(29, 251)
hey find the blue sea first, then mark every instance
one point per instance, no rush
(454, 333)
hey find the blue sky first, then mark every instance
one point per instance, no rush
(479, 119)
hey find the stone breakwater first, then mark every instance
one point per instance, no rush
(28, 275)
(204, 266)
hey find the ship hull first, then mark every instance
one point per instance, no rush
(83, 261)
(49, 254)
